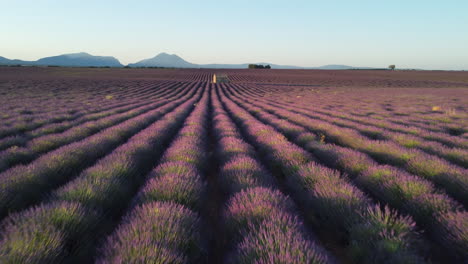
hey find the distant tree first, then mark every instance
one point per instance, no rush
(259, 66)
(392, 67)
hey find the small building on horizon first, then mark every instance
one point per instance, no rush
(220, 78)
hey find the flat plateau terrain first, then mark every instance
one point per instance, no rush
(125, 165)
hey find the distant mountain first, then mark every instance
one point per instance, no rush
(335, 67)
(165, 60)
(6, 61)
(81, 59)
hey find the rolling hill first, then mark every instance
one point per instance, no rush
(81, 59)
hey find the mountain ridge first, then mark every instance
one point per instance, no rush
(80, 59)
(163, 60)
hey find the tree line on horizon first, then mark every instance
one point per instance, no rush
(259, 66)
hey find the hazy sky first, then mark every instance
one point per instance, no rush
(409, 33)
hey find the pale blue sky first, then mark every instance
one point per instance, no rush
(409, 33)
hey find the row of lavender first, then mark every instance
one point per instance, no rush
(435, 110)
(315, 110)
(24, 185)
(50, 110)
(263, 225)
(46, 143)
(451, 177)
(67, 226)
(52, 102)
(409, 120)
(442, 217)
(21, 139)
(451, 148)
(377, 107)
(87, 109)
(164, 224)
(372, 234)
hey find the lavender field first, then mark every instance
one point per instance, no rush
(275, 166)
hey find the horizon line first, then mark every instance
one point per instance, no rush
(218, 63)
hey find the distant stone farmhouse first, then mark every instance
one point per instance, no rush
(220, 78)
